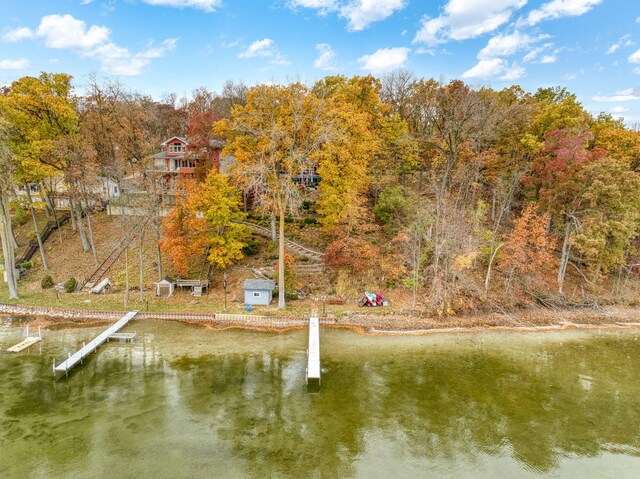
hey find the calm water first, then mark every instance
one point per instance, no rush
(186, 402)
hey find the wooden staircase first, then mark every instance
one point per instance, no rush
(100, 272)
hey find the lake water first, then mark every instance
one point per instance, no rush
(187, 402)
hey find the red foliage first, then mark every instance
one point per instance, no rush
(353, 254)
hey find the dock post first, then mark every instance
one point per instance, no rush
(39, 332)
(27, 330)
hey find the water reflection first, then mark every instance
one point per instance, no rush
(236, 405)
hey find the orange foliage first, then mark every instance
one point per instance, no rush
(353, 254)
(528, 248)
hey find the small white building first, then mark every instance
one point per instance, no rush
(258, 291)
(165, 287)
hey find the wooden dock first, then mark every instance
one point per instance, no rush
(27, 342)
(78, 357)
(313, 353)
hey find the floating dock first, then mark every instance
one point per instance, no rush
(89, 348)
(27, 342)
(313, 353)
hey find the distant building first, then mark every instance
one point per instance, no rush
(165, 287)
(258, 291)
(177, 161)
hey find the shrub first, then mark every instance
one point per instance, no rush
(289, 219)
(26, 265)
(70, 285)
(392, 203)
(306, 204)
(20, 214)
(47, 282)
(252, 247)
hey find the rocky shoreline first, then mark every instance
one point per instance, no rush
(390, 324)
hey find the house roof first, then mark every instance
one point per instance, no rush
(259, 284)
(179, 138)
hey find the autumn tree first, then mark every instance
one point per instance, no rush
(528, 248)
(610, 217)
(274, 137)
(206, 220)
(42, 115)
(7, 168)
(557, 178)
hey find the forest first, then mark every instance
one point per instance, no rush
(465, 198)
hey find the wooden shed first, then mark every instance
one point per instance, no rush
(258, 291)
(165, 287)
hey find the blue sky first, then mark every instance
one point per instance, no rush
(592, 47)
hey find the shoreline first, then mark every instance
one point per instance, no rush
(537, 320)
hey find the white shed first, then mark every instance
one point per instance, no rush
(165, 287)
(258, 291)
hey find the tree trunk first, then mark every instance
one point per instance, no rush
(83, 236)
(159, 253)
(7, 248)
(281, 252)
(487, 279)
(141, 258)
(91, 242)
(564, 260)
(72, 215)
(45, 266)
(126, 277)
(274, 233)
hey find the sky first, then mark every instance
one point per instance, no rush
(155, 47)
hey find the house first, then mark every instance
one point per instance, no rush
(165, 287)
(258, 291)
(177, 161)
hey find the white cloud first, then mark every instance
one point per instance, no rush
(494, 68)
(19, 64)
(205, 5)
(17, 34)
(485, 69)
(67, 32)
(323, 5)
(548, 59)
(512, 73)
(359, 13)
(634, 57)
(507, 45)
(533, 56)
(618, 109)
(385, 59)
(625, 41)
(259, 48)
(464, 19)
(326, 58)
(560, 8)
(265, 48)
(362, 13)
(628, 94)
(426, 51)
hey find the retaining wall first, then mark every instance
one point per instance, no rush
(230, 319)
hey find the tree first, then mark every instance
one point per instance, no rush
(7, 167)
(528, 249)
(611, 214)
(42, 114)
(558, 180)
(274, 137)
(206, 220)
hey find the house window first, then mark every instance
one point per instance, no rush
(115, 190)
(256, 294)
(176, 147)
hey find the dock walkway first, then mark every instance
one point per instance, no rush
(313, 353)
(87, 349)
(27, 342)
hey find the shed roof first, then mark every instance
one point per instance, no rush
(166, 280)
(259, 284)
